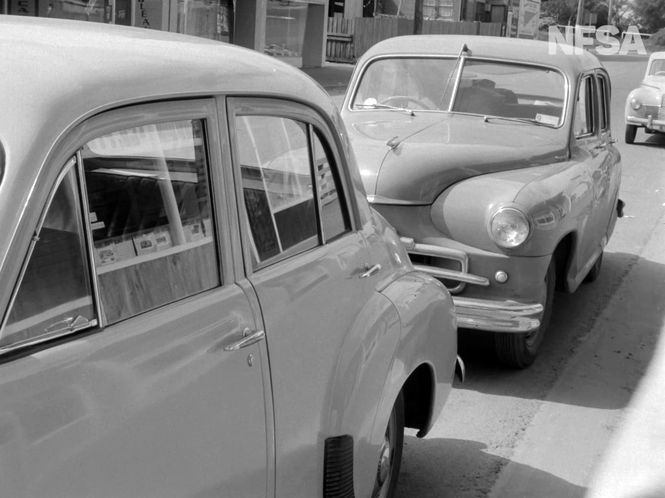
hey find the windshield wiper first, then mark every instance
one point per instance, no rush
(384, 106)
(519, 120)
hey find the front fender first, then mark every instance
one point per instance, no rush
(544, 193)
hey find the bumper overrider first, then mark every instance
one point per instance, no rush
(472, 313)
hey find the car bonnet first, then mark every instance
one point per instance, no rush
(406, 161)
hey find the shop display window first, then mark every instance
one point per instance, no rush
(206, 18)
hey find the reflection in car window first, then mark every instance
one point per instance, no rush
(511, 91)
(603, 103)
(54, 295)
(657, 67)
(584, 109)
(150, 215)
(485, 87)
(291, 186)
(415, 83)
(334, 218)
(277, 184)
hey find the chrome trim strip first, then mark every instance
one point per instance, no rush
(441, 252)
(87, 233)
(467, 278)
(497, 316)
(379, 199)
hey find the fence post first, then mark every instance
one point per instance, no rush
(418, 18)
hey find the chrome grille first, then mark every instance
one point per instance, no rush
(448, 264)
(651, 110)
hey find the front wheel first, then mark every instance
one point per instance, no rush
(520, 350)
(631, 131)
(390, 456)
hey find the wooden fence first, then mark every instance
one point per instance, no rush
(348, 39)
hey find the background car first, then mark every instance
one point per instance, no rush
(494, 161)
(645, 106)
(196, 299)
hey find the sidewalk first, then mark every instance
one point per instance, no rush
(334, 77)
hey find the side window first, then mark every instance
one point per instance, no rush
(54, 294)
(584, 111)
(334, 217)
(603, 103)
(149, 210)
(291, 189)
(277, 184)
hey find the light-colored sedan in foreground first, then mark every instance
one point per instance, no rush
(495, 162)
(196, 298)
(645, 105)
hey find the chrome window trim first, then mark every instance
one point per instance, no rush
(87, 227)
(594, 131)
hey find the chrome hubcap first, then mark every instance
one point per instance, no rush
(384, 463)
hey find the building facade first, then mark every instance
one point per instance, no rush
(287, 28)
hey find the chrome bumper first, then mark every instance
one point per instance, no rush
(648, 122)
(479, 314)
(497, 316)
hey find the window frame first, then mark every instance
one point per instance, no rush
(604, 102)
(269, 107)
(592, 101)
(65, 155)
(70, 166)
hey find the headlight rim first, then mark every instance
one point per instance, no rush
(503, 209)
(635, 104)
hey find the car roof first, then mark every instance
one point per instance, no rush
(56, 72)
(493, 47)
(657, 55)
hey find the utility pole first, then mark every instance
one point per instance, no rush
(609, 12)
(580, 13)
(418, 18)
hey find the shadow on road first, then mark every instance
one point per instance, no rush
(645, 139)
(429, 466)
(574, 318)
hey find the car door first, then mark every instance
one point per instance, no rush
(591, 152)
(310, 270)
(609, 176)
(132, 361)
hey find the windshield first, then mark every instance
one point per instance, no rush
(657, 67)
(489, 88)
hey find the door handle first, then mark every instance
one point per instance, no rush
(248, 338)
(371, 271)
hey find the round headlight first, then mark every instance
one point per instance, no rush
(635, 104)
(509, 227)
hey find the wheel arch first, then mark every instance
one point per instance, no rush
(564, 259)
(419, 395)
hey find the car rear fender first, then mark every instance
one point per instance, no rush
(398, 330)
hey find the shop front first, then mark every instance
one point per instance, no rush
(293, 29)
